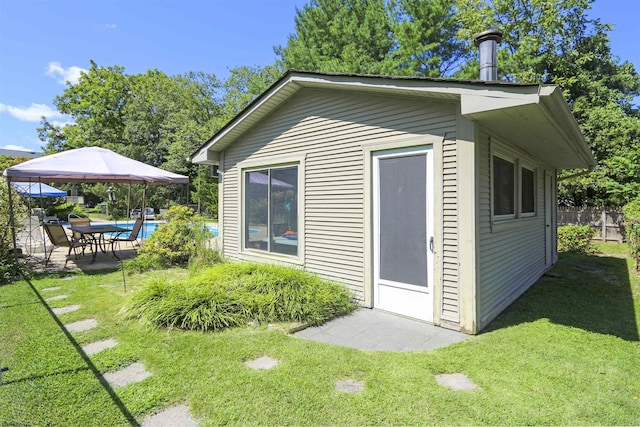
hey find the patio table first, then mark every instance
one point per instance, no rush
(96, 234)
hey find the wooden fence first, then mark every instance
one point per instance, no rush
(609, 224)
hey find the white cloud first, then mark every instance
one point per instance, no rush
(17, 148)
(113, 26)
(61, 124)
(64, 75)
(32, 113)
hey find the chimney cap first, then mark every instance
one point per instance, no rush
(487, 35)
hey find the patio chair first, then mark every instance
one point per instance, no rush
(58, 238)
(77, 221)
(132, 237)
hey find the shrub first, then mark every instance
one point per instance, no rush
(632, 228)
(183, 239)
(575, 238)
(8, 265)
(63, 210)
(234, 294)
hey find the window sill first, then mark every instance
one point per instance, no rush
(260, 256)
(501, 225)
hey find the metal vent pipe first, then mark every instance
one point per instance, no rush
(488, 41)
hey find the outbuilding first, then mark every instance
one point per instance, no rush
(431, 198)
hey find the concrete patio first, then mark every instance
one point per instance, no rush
(368, 329)
(104, 261)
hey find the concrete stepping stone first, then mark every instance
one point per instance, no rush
(350, 386)
(457, 382)
(68, 278)
(171, 417)
(53, 288)
(133, 373)
(81, 325)
(264, 362)
(98, 346)
(64, 310)
(56, 298)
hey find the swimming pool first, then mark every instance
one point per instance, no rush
(150, 226)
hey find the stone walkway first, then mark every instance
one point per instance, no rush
(364, 329)
(134, 373)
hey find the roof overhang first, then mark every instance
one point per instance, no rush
(533, 117)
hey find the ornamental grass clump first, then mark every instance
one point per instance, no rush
(234, 294)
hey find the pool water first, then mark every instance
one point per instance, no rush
(150, 226)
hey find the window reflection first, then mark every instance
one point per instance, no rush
(271, 210)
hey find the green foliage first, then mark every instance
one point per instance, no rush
(632, 229)
(341, 36)
(244, 84)
(161, 119)
(587, 318)
(8, 161)
(62, 210)
(183, 238)
(7, 259)
(150, 117)
(575, 238)
(425, 34)
(206, 191)
(235, 294)
(556, 42)
(375, 37)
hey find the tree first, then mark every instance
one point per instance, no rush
(352, 36)
(244, 85)
(96, 104)
(151, 117)
(426, 37)
(206, 191)
(553, 41)
(7, 258)
(398, 37)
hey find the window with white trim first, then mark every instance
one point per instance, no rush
(528, 191)
(513, 188)
(504, 186)
(271, 209)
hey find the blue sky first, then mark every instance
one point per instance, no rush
(45, 42)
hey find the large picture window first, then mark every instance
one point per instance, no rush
(271, 210)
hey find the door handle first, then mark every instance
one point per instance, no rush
(431, 244)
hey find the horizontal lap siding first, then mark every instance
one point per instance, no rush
(512, 258)
(450, 289)
(330, 128)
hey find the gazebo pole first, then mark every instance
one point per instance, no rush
(12, 224)
(44, 233)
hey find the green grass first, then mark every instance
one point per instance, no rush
(611, 248)
(567, 352)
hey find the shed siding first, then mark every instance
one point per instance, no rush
(330, 128)
(511, 254)
(450, 290)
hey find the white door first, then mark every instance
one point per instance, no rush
(548, 218)
(403, 232)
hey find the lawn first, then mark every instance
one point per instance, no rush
(567, 352)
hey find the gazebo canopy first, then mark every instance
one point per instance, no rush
(37, 189)
(91, 164)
